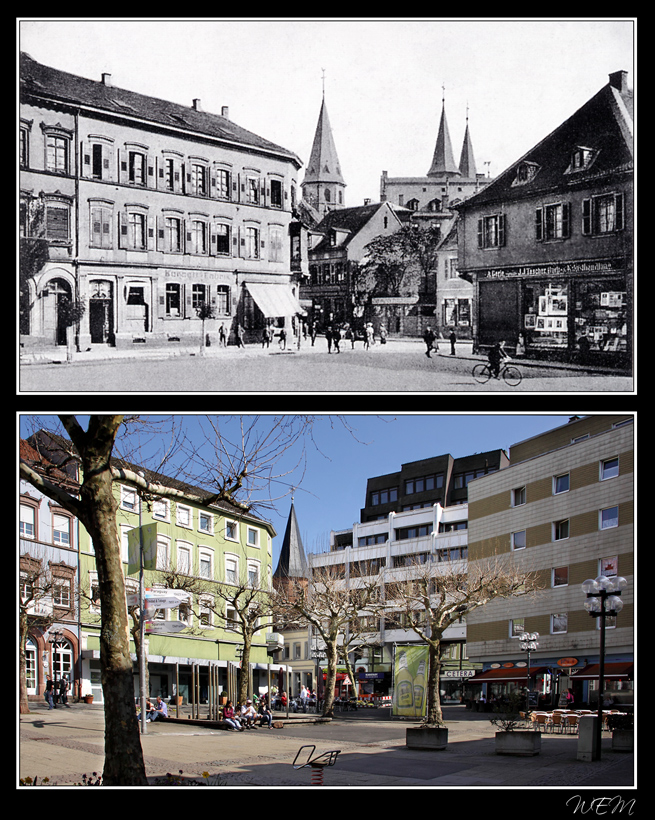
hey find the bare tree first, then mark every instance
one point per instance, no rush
(336, 610)
(430, 597)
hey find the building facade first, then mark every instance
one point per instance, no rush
(138, 215)
(563, 509)
(48, 579)
(548, 244)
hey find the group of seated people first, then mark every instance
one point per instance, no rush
(247, 716)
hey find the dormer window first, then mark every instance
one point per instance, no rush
(525, 172)
(581, 159)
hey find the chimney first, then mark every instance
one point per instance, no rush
(619, 80)
(196, 105)
(367, 202)
(106, 79)
(225, 112)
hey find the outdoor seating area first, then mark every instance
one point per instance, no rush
(562, 720)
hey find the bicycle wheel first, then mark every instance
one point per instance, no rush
(512, 375)
(481, 373)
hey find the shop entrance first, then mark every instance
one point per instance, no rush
(498, 317)
(101, 313)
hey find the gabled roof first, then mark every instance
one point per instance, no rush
(350, 220)
(323, 165)
(603, 125)
(49, 83)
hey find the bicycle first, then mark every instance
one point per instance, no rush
(508, 372)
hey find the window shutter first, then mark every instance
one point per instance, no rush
(86, 159)
(539, 224)
(586, 216)
(150, 229)
(122, 166)
(122, 230)
(150, 180)
(619, 217)
(480, 233)
(501, 230)
(566, 220)
(161, 299)
(188, 308)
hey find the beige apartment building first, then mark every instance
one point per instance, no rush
(563, 508)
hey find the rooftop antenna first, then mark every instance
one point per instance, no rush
(323, 80)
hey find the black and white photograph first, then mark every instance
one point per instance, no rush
(313, 206)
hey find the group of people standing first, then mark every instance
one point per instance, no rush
(432, 342)
(57, 691)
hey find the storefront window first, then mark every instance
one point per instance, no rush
(600, 319)
(546, 315)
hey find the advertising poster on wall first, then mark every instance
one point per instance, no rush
(410, 671)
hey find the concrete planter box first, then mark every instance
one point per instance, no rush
(518, 743)
(427, 737)
(623, 740)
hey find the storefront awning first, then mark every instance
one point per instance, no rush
(616, 671)
(512, 674)
(275, 300)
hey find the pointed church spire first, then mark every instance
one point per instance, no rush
(323, 185)
(292, 562)
(443, 161)
(467, 160)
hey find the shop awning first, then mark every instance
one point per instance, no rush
(616, 671)
(275, 300)
(512, 674)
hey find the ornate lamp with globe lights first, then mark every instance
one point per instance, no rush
(528, 644)
(603, 601)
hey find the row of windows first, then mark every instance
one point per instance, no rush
(135, 165)
(599, 215)
(561, 530)
(62, 529)
(607, 468)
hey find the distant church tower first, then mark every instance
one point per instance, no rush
(323, 186)
(443, 161)
(292, 564)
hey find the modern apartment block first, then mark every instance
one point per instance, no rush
(138, 214)
(564, 509)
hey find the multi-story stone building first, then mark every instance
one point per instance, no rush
(562, 509)
(138, 214)
(548, 244)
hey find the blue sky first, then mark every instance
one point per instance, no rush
(344, 456)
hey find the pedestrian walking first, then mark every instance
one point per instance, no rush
(266, 336)
(453, 339)
(383, 335)
(369, 335)
(50, 693)
(328, 337)
(222, 336)
(240, 336)
(283, 339)
(428, 338)
(336, 338)
(64, 686)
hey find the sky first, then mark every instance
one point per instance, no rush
(350, 449)
(384, 79)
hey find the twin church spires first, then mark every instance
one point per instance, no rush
(323, 186)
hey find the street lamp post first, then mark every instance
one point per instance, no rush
(528, 644)
(603, 601)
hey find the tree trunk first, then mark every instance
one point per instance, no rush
(124, 764)
(434, 715)
(244, 678)
(24, 706)
(331, 679)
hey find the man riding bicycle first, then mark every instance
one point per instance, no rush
(497, 354)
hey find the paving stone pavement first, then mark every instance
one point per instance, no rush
(64, 744)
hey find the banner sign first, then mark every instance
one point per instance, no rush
(149, 533)
(410, 671)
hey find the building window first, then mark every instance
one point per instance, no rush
(276, 193)
(603, 214)
(558, 624)
(184, 516)
(384, 496)
(27, 521)
(491, 231)
(252, 537)
(231, 530)
(136, 230)
(206, 522)
(57, 221)
(100, 235)
(419, 485)
(173, 234)
(275, 244)
(198, 296)
(199, 180)
(553, 222)
(561, 483)
(516, 627)
(253, 575)
(205, 563)
(370, 540)
(198, 237)
(252, 190)
(137, 168)
(184, 558)
(231, 570)
(223, 299)
(173, 299)
(413, 532)
(252, 243)
(24, 147)
(129, 499)
(561, 530)
(57, 153)
(222, 239)
(609, 518)
(163, 550)
(560, 577)
(518, 540)
(518, 496)
(223, 184)
(609, 468)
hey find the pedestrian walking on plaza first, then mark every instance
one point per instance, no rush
(222, 338)
(240, 335)
(50, 693)
(336, 338)
(428, 338)
(266, 337)
(369, 335)
(63, 691)
(383, 335)
(453, 339)
(283, 339)
(328, 337)
(303, 698)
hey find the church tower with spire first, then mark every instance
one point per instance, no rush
(323, 186)
(443, 161)
(292, 564)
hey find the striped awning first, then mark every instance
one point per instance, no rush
(275, 300)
